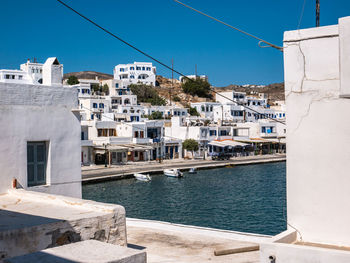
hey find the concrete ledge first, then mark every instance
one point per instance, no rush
(33, 221)
(85, 251)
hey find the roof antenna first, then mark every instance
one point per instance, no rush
(317, 13)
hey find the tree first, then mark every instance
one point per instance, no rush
(105, 89)
(72, 80)
(176, 98)
(95, 88)
(147, 93)
(190, 145)
(197, 87)
(193, 112)
(157, 115)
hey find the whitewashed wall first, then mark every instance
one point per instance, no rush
(40, 113)
(318, 134)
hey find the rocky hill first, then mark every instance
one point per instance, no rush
(88, 75)
(168, 89)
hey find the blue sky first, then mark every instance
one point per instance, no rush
(163, 28)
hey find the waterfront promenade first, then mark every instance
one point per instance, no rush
(98, 173)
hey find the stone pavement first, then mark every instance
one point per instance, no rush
(168, 243)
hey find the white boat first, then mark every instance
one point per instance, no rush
(173, 172)
(142, 177)
(192, 171)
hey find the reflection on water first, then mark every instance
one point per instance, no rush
(244, 198)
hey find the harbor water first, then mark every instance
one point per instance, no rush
(249, 198)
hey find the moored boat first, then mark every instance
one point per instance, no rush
(173, 172)
(192, 170)
(142, 177)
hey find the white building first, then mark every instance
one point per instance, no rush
(40, 145)
(182, 79)
(317, 87)
(29, 73)
(137, 72)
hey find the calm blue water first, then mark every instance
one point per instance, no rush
(244, 198)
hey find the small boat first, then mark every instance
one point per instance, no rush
(142, 177)
(192, 171)
(173, 172)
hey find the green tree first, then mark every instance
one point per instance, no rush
(176, 98)
(193, 112)
(72, 80)
(197, 87)
(105, 89)
(147, 93)
(190, 145)
(157, 115)
(95, 88)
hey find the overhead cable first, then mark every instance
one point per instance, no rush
(235, 28)
(163, 64)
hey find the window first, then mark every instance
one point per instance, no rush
(136, 154)
(212, 132)
(136, 134)
(112, 132)
(36, 163)
(92, 116)
(7, 76)
(20, 77)
(132, 68)
(141, 134)
(94, 105)
(101, 105)
(138, 68)
(202, 108)
(148, 69)
(116, 85)
(121, 70)
(132, 76)
(263, 129)
(143, 68)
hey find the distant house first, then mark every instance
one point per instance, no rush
(133, 73)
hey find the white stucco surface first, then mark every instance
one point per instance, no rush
(317, 137)
(40, 113)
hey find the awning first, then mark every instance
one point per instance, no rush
(123, 148)
(226, 143)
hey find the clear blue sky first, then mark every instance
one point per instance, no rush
(163, 28)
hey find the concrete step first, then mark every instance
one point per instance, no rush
(83, 252)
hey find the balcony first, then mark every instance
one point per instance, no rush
(86, 143)
(142, 140)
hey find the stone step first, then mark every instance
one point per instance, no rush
(83, 252)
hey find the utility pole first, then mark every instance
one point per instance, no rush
(317, 13)
(172, 79)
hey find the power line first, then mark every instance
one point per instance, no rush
(235, 28)
(301, 14)
(161, 63)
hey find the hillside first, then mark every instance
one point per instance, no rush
(274, 91)
(88, 75)
(166, 88)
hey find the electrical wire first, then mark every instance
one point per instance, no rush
(235, 28)
(161, 63)
(301, 14)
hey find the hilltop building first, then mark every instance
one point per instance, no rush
(137, 72)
